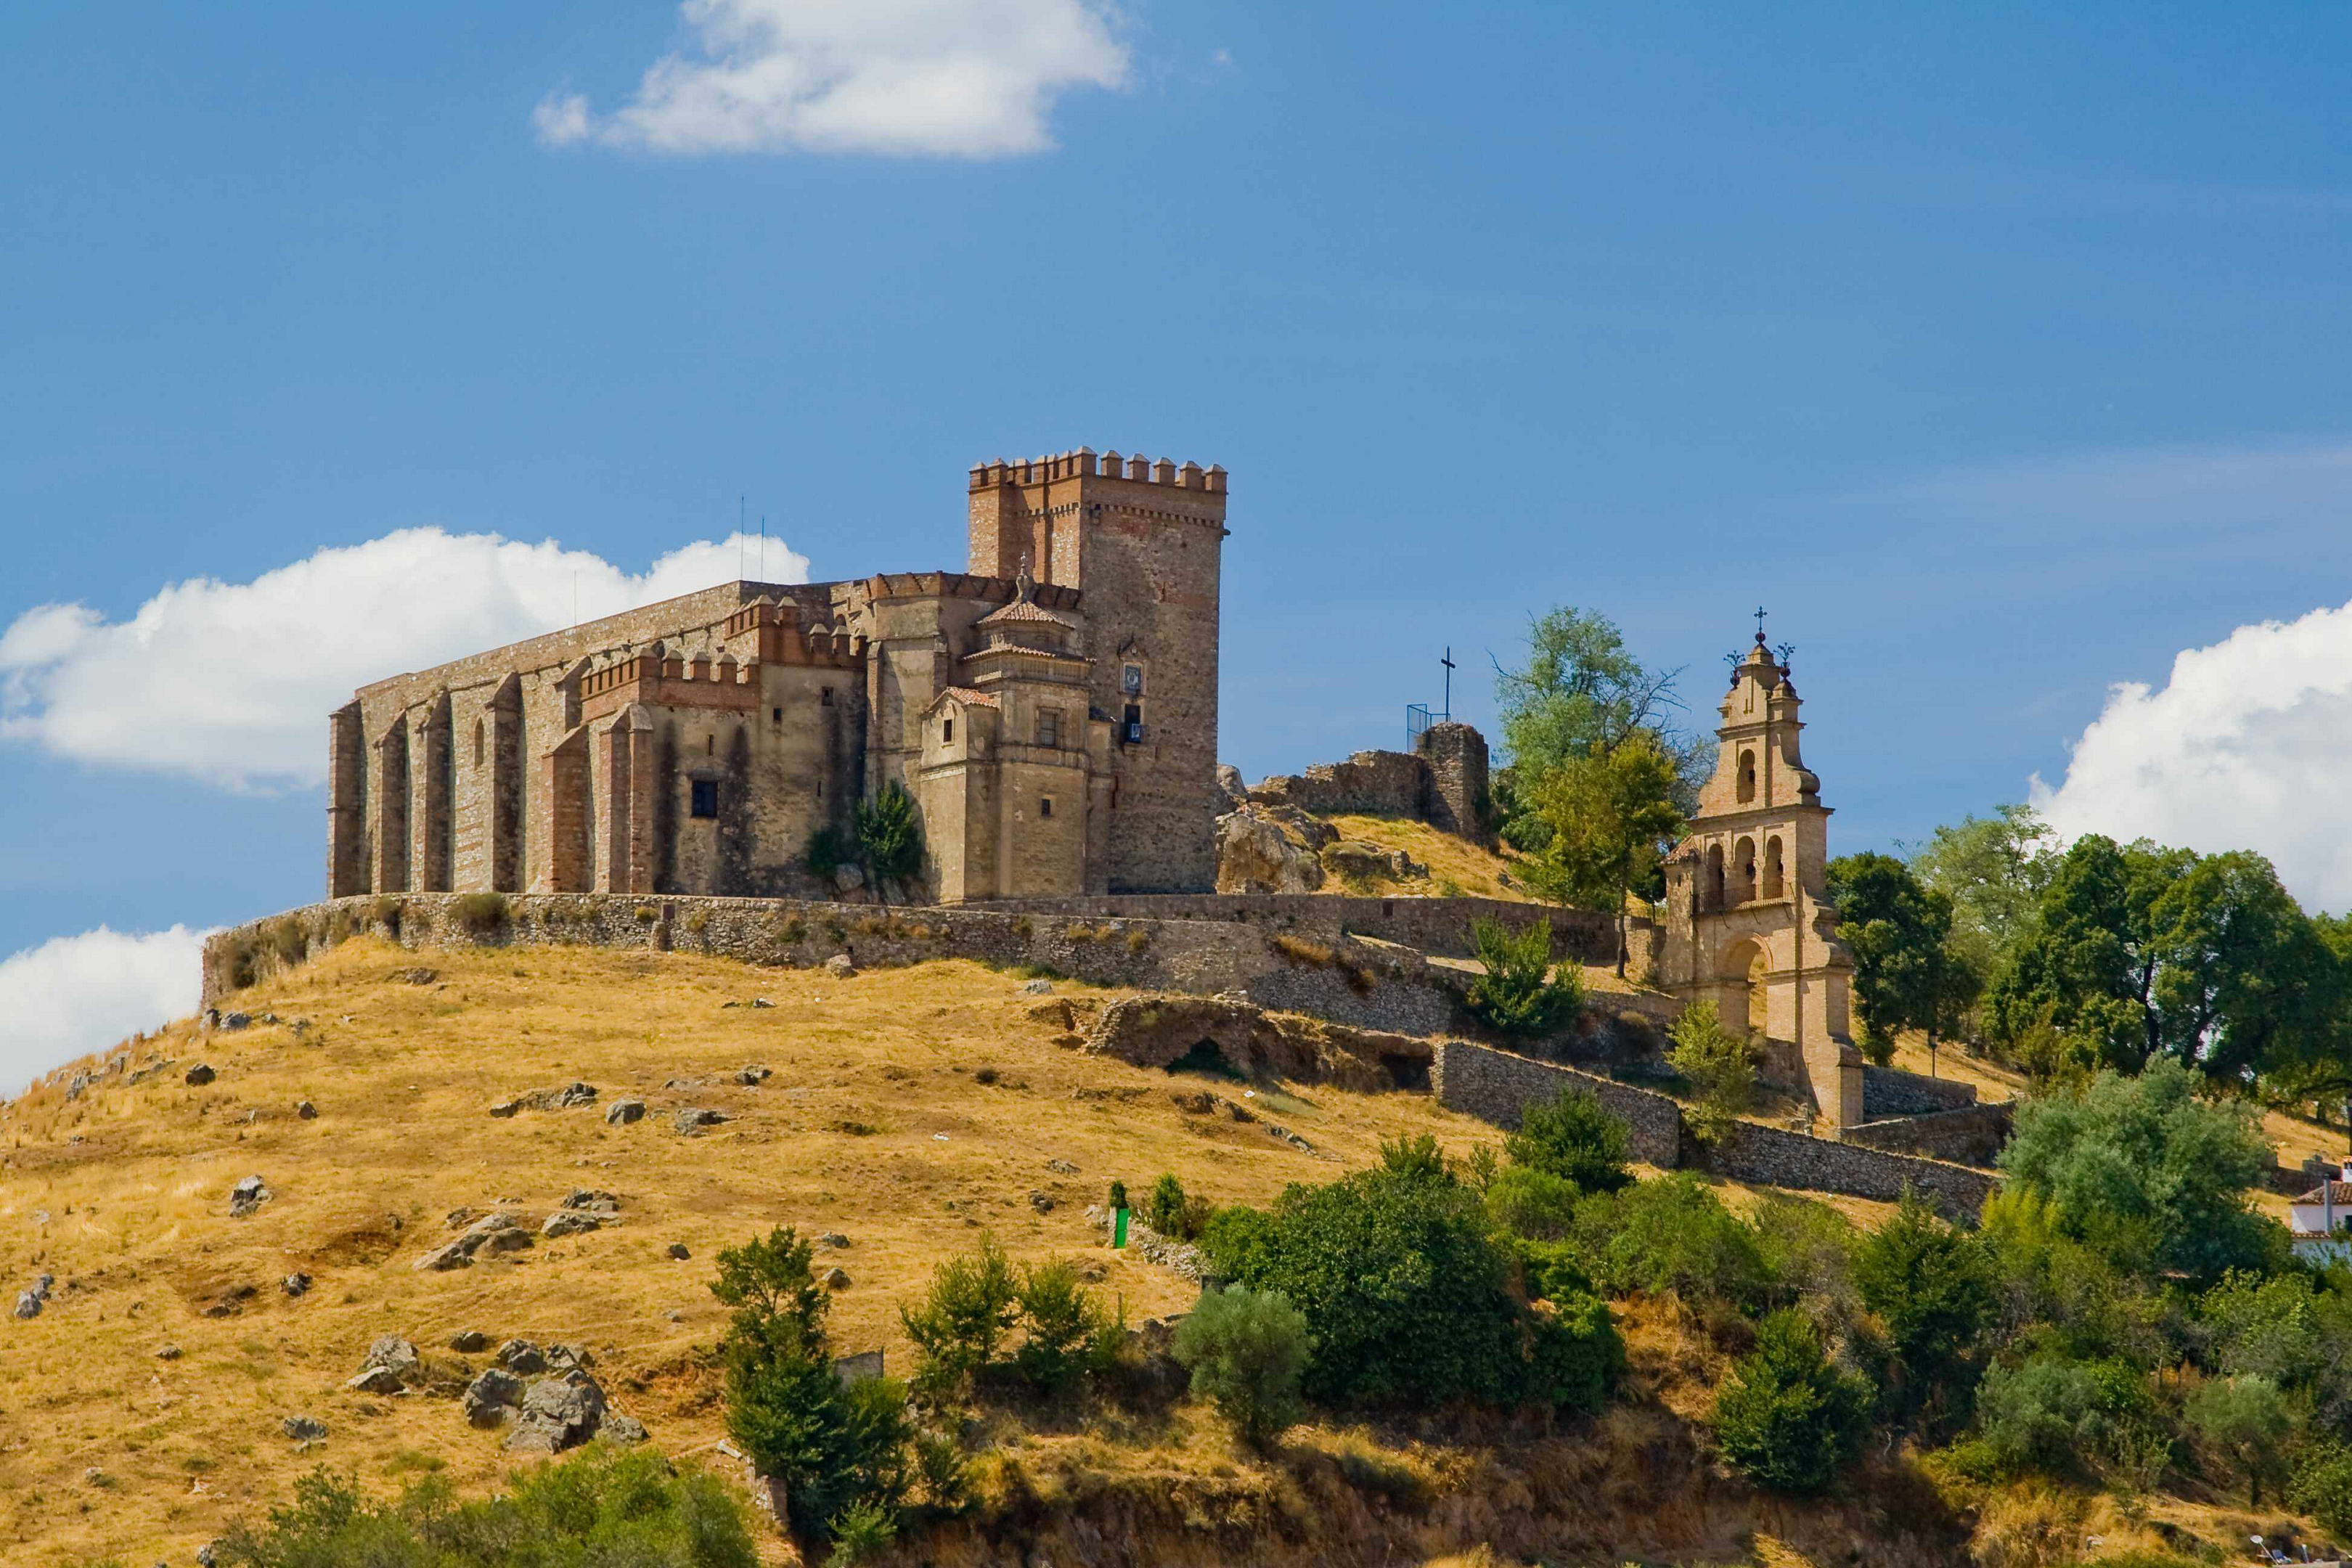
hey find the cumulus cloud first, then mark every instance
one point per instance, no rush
(2247, 746)
(967, 78)
(232, 682)
(74, 995)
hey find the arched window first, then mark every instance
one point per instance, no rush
(1775, 881)
(1743, 874)
(1747, 777)
(1713, 896)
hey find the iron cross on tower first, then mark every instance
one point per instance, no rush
(1760, 623)
(1448, 662)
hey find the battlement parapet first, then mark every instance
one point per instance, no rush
(1083, 463)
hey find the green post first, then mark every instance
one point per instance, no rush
(1117, 1229)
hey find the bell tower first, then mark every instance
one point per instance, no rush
(1749, 921)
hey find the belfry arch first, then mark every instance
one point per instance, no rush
(1750, 926)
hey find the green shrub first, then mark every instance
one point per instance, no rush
(1807, 1248)
(1549, 1270)
(828, 849)
(1246, 1351)
(1116, 1199)
(1788, 1417)
(1672, 1234)
(1522, 1201)
(2055, 1414)
(890, 834)
(1575, 1138)
(1417, 1158)
(1164, 1211)
(2322, 1487)
(1232, 1238)
(601, 1505)
(963, 1319)
(1931, 1286)
(1066, 1332)
(1407, 1298)
(1574, 1355)
(482, 914)
(1518, 993)
(1718, 1065)
(831, 1443)
(946, 1475)
(861, 1530)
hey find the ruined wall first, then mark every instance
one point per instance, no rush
(1456, 798)
(1370, 783)
(1497, 1086)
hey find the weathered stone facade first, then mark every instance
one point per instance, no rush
(1442, 781)
(1748, 922)
(1057, 731)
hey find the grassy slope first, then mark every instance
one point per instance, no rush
(1476, 871)
(137, 1233)
(132, 1219)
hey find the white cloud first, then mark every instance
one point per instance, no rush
(2248, 746)
(232, 682)
(968, 79)
(74, 995)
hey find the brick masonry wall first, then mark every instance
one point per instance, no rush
(1497, 1086)
(1891, 1091)
(1441, 926)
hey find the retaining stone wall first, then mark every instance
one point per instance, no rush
(1891, 1091)
(1370, 783)
(1971, 1135)
(1441, 926)
(1496, 1086)
(1367, 987)
(1750, 1152)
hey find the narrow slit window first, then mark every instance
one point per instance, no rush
(824, 698)
(775, 715)
(947, 732)
(1044, 806)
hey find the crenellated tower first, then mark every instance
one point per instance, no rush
(1142, 541)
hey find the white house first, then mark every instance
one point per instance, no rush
(2321, 1220)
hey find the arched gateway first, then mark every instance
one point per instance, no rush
(1748, 922)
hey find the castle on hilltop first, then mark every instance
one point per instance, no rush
(1051, 710)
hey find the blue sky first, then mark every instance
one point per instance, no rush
(2000, 351)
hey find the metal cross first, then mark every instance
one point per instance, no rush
(1760, 623)
(1448, 662)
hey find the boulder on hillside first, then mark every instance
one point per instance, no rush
(200, 1075)
(471, 1341)
(558, 1413)
(493, 1232)
(570, 1222)
(247, 1196)
(493, 1395)
(1230, 784)
(692, 1119)
(1256, 856)
(621, 1112)
(840, 966)
(1354, 858)
(303, 1429)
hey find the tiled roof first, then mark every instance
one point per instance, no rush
(1027, 610)
(2343, 1195)
(970, 697)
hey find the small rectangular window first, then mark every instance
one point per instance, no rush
(1049, 726)
(775, 715)
(1044, 806)
(825, 699)
(947, 732)
(705, 797)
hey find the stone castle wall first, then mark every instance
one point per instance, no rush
(1970, 1135)
(1891, 1091)
(1456, 799)
(1370, 783)
(1498, 1086)
(1440, 926)
(1775, 1157)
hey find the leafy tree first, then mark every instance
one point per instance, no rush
(1906, 974)
(1416, 1157)
(1613, 815)
(972, 1304)
(1789, 1418)
(2322, 1487)
(2077, 969)
(1164, 1212)
(1719, 1065)
(1993, 870)
(1068, 1333)
(2241, 978)
(1246, 1351)
(2246, 1418)
(2147, 1174)
(1580, 693)
(832, 1445)
(1930, 1284)
(889, 834)
(2054, 1414)
(1573, 1137)
(1406, 1293)
(1536, 1204)
(1519, 992)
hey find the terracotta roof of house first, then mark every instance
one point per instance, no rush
(2343, 1195)
(970, 696)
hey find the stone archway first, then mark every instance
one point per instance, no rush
(1743, 1002)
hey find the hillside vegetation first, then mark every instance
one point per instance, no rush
(908, 1111)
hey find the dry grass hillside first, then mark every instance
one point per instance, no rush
(905, 1110)
(1471, 870)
